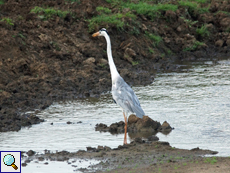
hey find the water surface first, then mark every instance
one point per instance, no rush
(195, 102)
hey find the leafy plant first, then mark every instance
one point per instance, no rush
(150, 10)
(151, 50)
(189, 22)
(103, 10)
(49, 12)
(202, 31)
(8, 21)
(135, 63)
(1, 2)
(113, 19)
(195, 45)
(211, 160)
(157, 39)
(201, 1)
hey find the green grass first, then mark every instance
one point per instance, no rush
(112, 19)
(201, 1)
(1, 2)
(155, 38)
(189, 4)
(135, 63)
(103, 10)
(151, 50)
(194, 6)
(202, 31)
(48, 12)
(189, 22)
(211, 160)
(150, 10)
(195, 45)
(8, 21)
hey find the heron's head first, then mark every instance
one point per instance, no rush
(102, 32)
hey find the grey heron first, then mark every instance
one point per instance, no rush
(122, 93)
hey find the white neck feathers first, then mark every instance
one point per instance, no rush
(113, 69)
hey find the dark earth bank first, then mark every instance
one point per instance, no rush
(50, 57)
(138, 156)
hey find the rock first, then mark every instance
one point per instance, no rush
(91, 149)
(90, 60)
(153, 138)
(138, 140)
(144, 124)
(225, 22)
(41, 158)
(130, 52)
(133, 119)
(102, 127)
(30, 153)
(165, 127)
(117, 127)
(102, 61)
(68, 122)
(219, 43)
(24, 164)
(179, 29)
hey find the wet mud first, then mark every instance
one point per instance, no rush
(145, 154)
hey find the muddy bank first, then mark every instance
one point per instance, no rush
(136, 125)
(136, 155)
(49, 58)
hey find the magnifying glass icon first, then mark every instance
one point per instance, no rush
(9, 160)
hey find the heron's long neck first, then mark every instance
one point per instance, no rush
(113, 69)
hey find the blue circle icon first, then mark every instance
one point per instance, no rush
(9, 161)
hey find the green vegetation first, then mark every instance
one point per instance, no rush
(135, 63)
(211, 160)
(201, 1)
(190, 23)
(112, 19)
(1, 2)
(157, 39)
(48, 12)
(150, 10)
(202, 31)
(195, 45)
(151, 50)
(194, 6)
(103, 10)
(8, 21)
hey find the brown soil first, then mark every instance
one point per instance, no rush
(140, 156)
(42, 61)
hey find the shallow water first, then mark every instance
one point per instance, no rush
(196, 102)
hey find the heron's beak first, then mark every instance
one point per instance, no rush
(96, 34)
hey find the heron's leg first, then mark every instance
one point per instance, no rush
(125, 137)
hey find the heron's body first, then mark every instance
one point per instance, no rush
(122, 93)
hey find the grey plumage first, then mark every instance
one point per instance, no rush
(125, 97)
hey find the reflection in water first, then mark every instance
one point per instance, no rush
(195, 103)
